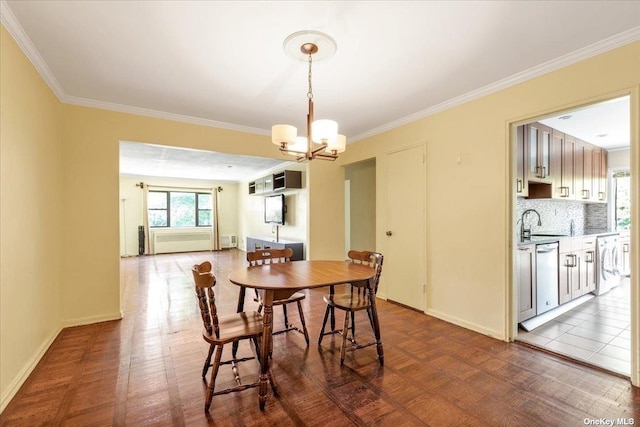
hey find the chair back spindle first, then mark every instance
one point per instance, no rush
(205, 281)
(269, 256)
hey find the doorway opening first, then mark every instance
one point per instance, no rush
(573, 299)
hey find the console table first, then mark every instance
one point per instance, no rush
(254, 243)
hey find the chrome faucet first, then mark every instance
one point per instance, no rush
(525, 233)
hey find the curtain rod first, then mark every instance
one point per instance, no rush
(141, 185)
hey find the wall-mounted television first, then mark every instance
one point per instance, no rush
(274, 209)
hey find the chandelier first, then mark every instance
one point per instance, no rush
(322, 140)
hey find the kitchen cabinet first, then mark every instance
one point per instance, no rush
(586, 192)
(522, 182)
(569, 281)
(538, 145)
(526, 280)
(578, 268)
(254, 243)
(600, 173)
(625, 254)
(562, 165)
(587, 266)
(284, 180)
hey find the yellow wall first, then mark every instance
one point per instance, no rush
(469, 205)
(362, 224)
(30, 217)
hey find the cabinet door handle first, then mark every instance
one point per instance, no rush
(575, 260)
(564, 191)
(585, 194)
(625, 247)
(519, 186)
(544, 172)
(568, 262)
(589, 257)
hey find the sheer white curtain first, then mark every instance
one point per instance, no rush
(215, 220)
(145, 217)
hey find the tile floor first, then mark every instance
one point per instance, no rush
(597, 331)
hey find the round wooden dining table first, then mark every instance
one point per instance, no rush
(281, 280)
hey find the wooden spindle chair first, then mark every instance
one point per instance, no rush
(221, 330)
(270, 256)
(356, 299)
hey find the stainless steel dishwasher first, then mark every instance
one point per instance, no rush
(546, 277)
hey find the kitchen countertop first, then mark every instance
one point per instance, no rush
(540, 240)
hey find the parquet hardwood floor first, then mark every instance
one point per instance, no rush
(145, 369)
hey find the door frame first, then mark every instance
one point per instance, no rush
(511, 292)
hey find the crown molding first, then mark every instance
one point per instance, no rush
(14, 28)
(12, 25)
(602, 46)
(84, 102)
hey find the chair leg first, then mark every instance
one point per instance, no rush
(345, 330)
(353, 326)
(324, 323)
(304, 325)
(207, 362)
(370, 318)
(286, 317)
(259, 302)
(212, 381)
(256, 345)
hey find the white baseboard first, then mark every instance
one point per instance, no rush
(493, 333)
(26, 371)
(92, 319)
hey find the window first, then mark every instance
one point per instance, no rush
(179, 209)
(622, 199)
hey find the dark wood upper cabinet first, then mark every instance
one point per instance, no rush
(538, 143)
(522, 182)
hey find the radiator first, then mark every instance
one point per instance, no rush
(228, 241)
(181, 242)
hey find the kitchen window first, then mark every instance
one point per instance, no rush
(622, 199)
(179, 209)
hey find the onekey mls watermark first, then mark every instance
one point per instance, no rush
(609, 421)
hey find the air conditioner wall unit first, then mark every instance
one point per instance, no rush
(229, 241)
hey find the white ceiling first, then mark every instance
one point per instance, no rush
(606, 124)
(162, 161)
(221, 63)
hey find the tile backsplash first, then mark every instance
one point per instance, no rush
(596, 217)
(556, 215)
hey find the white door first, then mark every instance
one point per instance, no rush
(404, 260)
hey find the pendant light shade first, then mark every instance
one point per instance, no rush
(324, 131)
(338, 145)
(283, 134)
(298, 147)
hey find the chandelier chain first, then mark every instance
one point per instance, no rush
(310, 92)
